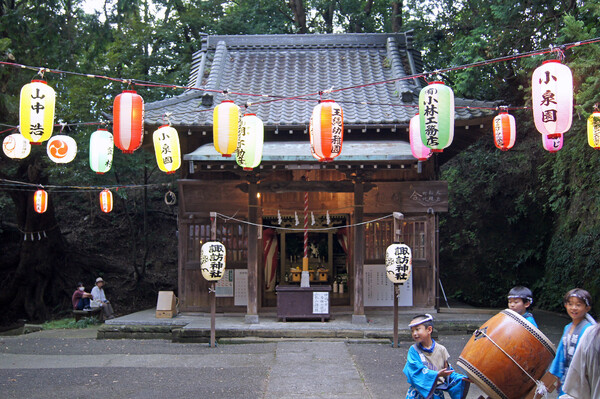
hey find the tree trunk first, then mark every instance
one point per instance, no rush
(396, 16)
(297, 7)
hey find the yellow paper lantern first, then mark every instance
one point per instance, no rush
(36, 112)
(593, 130)
(226, 119)
(166, 148)
(212, 260)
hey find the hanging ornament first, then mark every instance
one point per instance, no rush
(593, 129)
(128, 121)
(419, 150)
(106, 201)
(296, 217)
(436, 110)
(40, 201)
(36, 113)
(398, 263)
(504, 130)
(278, 217)
(16, 146)
(250, 142)
(553, 142)
(212, 260)
(226, 120)
(552, 98)
(101, 151)
(166, 148)
(326, 131)
(61, 149)
(328, 219)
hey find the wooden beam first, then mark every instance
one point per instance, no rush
(252, 307)
(358, 316)
(280, 187)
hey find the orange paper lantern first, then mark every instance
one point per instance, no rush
(40, 201)
(106, 200)
(128, 121)
(326, 131)
(504, 130)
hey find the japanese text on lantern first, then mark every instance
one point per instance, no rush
(431, 117)
(336, 130)
(241, 152)
(216, 261)
(166, 152)
(37, 105)
(498, 131)
(401, 260)
(548, 100)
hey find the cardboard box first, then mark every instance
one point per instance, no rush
(166, 306)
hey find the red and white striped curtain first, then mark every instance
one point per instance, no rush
(270, 252)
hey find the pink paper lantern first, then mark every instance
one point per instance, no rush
(552, 98)
(419, 150)
(553, 142)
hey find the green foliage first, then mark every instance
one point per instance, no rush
(70, 323)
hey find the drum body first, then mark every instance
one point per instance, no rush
(491, 356)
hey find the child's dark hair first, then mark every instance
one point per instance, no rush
(579, 293)
(521, 292)
(428, 320)
(79, 284)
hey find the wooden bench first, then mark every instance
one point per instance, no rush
(94, 312)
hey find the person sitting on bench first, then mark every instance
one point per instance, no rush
(100, 299)
(80, 298)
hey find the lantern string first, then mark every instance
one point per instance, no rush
(14, 185)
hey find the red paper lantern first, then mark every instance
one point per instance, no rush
(326, 131)
(504, 131)
(128, 121)
(552, 98)
(40, 201)
(106, 200)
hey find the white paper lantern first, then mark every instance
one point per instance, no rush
(61, 149)
(16, 146)
(101, 151)
(212, 260)
(398, 263)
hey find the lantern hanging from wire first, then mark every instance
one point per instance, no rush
(16, 146)
(553, 142)
(101, 151)
(128, 121)
(61, 149)
(250, 142)
(212, 260)
(166, 149)
(593, 129)
(436, 110)
(418, 149)
(106, 201)
(398, 263)
(40, 201)
(226, 120)
(552, 98)
(504, 130)
(36, 112)
(326, 131)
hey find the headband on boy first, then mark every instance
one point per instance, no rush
(425, 320)
(584, 299)
(528, 298)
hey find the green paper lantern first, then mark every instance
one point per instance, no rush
(436, 110)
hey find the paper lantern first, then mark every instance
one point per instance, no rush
(419, 150)
(326, 131)
(212, 260)
(128, 121)
(250, 142)
(552, 97)
(36, 112)
(166, 148)
(398, 263)
(101, 151)
(16, 146)
(226, 119)
(106, 200)
(553, 142)
(593, 130)
(436, 110)
(40, 201)
(504, 131)
(61, 149)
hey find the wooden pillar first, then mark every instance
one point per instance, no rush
(358, 316)
(252, 307)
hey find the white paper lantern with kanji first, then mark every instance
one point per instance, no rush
(250, 142)
(61, 149)
(166, 149)
(212, 260)
(398, 263)
(101, 151)
(552, 98)
(36, 112)
(16, 146)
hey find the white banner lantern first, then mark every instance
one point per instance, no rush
(101, 151)
(398, 263)
(212, 260)
(61, 149)
(250, 142)
(16, 146)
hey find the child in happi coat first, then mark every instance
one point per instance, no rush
(427, 368)
(577, 303)
(519, 300)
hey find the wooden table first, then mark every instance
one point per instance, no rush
(303, 303)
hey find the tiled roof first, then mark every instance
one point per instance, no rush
(287, 66)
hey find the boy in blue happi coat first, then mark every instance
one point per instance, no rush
(427, 368)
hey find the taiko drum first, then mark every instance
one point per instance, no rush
(491, 356)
